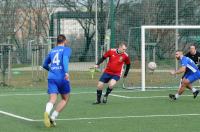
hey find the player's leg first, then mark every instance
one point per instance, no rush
(188, 87)
(103, 79)
(186, 82)
(49, 107)
(173, 96)
(50, 103)
(99, 92)
(191, 79)
(64, 89)
(111, 84)
(61, 105)
(180, 82)
(194, 91)
(52, 91)
(180, 90)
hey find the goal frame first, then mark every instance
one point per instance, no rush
(143, 28)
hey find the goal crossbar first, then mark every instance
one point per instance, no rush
(143, 28)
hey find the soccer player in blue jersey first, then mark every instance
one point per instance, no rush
(189, 77)
(56, 63)
(194, 55)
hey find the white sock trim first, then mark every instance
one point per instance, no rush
(177, 96)
(54, 115)
(194, 90)
(49, 107)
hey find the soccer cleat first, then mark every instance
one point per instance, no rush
(47, 120)
(105, 98)
(53, 123)
(172, 96)
(196, 93)
(97, 102)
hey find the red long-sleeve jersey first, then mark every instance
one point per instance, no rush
(116, 62)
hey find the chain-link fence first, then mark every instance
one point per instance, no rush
(31, 26)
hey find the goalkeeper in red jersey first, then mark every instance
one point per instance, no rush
(112, 73)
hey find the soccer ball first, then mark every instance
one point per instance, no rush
(152, 66)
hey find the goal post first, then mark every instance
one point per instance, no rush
(157, 27)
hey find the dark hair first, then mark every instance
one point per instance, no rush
(193, 46)
(178, 50)
(61, 38)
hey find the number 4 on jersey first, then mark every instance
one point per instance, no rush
(56, 59)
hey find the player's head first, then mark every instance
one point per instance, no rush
(192, 50)
(122, 47)
(61, 39)
(178, 54)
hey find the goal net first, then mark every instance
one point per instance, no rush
(158, 44)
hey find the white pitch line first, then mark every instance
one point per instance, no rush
(115, 95)
(33, 94)
(15, 116)
(128, 97)
(75, 93)
(120, 96)
(97, 118)
(22, 94)
(123, 117)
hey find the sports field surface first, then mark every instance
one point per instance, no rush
(21, 110)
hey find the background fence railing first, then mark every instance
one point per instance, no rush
(26, 24)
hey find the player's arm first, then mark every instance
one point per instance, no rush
(100, 61)
(198, 60)
(128, 65)
(66, 56)
(47, 62)
(127, 70)
(107, 54)
(179, 71)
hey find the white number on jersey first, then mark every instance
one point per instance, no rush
(56, 59)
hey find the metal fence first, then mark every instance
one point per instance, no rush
(31, 26)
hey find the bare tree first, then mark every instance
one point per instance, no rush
(87, 24)
(17, 25)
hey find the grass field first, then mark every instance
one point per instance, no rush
(21, 110)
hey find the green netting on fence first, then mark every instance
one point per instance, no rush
(31, 27)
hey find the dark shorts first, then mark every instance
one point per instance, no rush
(58, 86)
(105, 77)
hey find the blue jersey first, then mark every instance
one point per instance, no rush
(189, 64)
(57, 62)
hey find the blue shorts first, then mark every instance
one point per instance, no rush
(58, 86)
(105, 78)
(192, 76)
